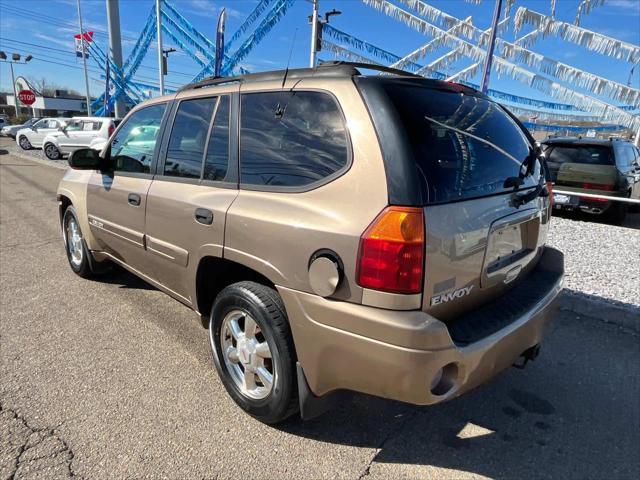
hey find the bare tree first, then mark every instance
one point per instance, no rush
(48, 88)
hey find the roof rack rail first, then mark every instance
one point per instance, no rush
(369, 66)
(330, 68)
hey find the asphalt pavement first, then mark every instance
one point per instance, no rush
(114, 379)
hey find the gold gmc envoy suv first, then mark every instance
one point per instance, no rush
(380, 233)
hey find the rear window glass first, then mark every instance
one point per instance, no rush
(290, 139)
(464, 146)
(592, 154)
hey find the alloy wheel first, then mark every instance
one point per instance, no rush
(247, 355)
(74, 242)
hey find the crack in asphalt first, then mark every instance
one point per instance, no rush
(27, 452)
(393, 433)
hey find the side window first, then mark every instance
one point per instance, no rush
(73, 126)
(188, 137)
(290, 139)
(217, 161)
(625, 156)
(52, 124)
(133, 146)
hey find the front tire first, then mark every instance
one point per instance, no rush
(52, 152)
(75, 246)
(253, 351)
(24, 143)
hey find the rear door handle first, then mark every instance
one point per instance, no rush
(134, 199)
(204, 216)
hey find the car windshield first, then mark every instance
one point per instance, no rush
(585, 154)
(464, 146)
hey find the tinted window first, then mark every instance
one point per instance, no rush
(464, 146)
(132, 147)
(188, 138)
(585, 154)
(217, 160)
(290, 139)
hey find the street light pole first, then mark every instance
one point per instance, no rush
(314, 33)
(84, 60)
(13, 84)
(160, 53)
(486, 71)
(15, 58)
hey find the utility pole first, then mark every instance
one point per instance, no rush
(115, 46)
(486, 72)
(314, 33)
(160, 52)
(85, 50)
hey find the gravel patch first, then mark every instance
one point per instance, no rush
(35, 154)
(601, 261)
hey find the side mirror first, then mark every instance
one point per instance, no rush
(85, 159)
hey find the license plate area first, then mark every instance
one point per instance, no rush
(511, 246)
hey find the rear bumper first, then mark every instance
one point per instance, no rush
(396, 355)
(586, 204)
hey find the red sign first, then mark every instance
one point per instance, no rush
(27, 97)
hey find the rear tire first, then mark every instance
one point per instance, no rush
(617, 213)
(24, 143)
(253, 351)
(52, 152)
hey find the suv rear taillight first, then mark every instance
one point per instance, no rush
(597, 186)
(111, 129)
(550, 191)
(391, 255)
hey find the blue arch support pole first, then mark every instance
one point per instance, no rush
(486, 71)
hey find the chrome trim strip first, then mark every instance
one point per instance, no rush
(391, 301)
(117, 230)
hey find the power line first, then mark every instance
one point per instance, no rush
(55, 20)
(72, 51)
(97, 70)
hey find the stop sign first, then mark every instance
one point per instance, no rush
(27, 97)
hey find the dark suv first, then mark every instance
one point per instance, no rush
(599, 167)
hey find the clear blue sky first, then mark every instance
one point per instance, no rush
(50, 25)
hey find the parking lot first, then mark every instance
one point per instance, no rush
(114, 379)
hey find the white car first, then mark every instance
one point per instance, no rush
(78, 132)
(33, 136)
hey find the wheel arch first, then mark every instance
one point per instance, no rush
(215, 273)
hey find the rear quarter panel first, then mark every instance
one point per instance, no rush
(277, 233)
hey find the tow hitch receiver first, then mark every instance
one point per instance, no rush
(529, 354)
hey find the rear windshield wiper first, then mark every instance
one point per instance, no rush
(475, 137)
